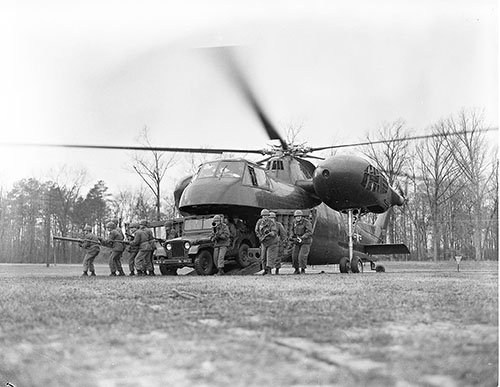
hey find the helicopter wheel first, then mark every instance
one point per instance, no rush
(356, 265)
(380, 269)
(204, 263)
(344, 265)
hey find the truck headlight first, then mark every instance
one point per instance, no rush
(187, 245)
(168, 246)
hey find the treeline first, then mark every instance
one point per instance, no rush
(33, 211)
(449, 180)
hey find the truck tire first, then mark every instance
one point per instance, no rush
(165, 270)
(242, 258)
(204, 263)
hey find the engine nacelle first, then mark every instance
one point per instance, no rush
(350, 182)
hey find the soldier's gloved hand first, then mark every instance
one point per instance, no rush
(299, 240)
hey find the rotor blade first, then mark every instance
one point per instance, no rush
(244, 87)
(137, 148)
(400, 139)
(313, 157)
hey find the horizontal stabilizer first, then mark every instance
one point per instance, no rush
(380, 249)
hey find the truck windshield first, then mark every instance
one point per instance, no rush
(198, 224)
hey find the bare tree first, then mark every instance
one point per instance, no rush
(391, 157)
(151, 167)
(438, 176)
(469, 149)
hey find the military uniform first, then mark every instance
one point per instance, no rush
(302, 239)
(131, 249)
(150, 267)
(142, 242)
(222, 240)
(267, 232)
(113, 241)
(91, 245)
(283, 237)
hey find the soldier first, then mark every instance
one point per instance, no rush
(143, 243)
(91, 244)
(150, 267)
(170, 233)
(232, 230)
(221, 238)
(113, 241)
(267, 232)
(132, 250)
(283, 236)
(302, 239)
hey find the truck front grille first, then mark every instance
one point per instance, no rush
(177, 249)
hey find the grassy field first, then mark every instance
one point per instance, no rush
(418, 324)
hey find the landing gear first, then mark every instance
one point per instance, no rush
(356, 265)
(351, 263)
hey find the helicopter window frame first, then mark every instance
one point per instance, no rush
(276, 165)
(236, 173)
(256, 177)
(207, 170)
(374, 181)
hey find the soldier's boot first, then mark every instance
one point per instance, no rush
(277, 270)
(221, 271)
(131, 273)
(112, 274)
(296, 271)
(92, 273)
(152, 273)
(267, 270)
(302, 271)
(121, 273)
(84, 274)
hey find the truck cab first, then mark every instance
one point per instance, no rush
(195, 248)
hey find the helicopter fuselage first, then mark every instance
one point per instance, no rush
(240, 188)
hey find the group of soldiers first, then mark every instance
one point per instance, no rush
(273, 238)
(140, 246)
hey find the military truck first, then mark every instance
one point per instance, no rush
(195, 249)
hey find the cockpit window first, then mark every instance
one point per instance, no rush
(374, 181)
(275, 165)
(230, 169)
(256, 177)
(207, 170)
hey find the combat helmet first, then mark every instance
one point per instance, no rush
(110, 225)
(87, 228)
(298, 213)
(265, 212)
(272, 214)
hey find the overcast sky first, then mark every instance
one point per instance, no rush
(97, 72)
